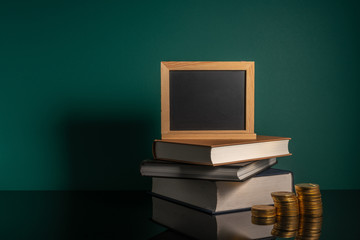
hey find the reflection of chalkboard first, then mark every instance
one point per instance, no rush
(207, 100)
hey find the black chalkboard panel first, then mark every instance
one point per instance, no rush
(207, 100)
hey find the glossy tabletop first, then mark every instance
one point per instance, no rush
(127, 215)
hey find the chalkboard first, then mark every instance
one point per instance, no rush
(207, 100)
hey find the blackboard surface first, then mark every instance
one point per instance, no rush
(207, 100)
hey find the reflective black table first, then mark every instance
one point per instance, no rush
(127, 215)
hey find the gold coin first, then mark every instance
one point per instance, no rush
(311, 210)
(312, 214)
(263, 208)
(300, 192)
(288, 204)
(283, 222)
(310, 219)
(303, 189)
(316, 227)
(288, 212)
(282, 194)
(263, 215)
(316, 206)
(286, 219)
(306, 185)
(309, 198)
(307, 238)
(287, 209)
(295, 206)
(283, 234)
(307, 192)
(263, 211)
(307, 207)
(312, 234)
(263, 221)
(291, 214)
(309, 224)
(311, 202)
(311, 205)
(287, 201)
(285, 228)
(307, 213)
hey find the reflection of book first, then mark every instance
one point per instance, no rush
(200, 225)
(170, 235)
(220, 152)
(233, 172)
(223, 196)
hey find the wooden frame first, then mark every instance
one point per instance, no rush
(248, 133)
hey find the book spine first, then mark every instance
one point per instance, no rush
(153, 149)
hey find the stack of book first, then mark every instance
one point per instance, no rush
(217, 176)
(186, 223)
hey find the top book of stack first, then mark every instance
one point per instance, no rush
(220, 152)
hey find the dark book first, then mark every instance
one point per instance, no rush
(217, 197)
(198, 225)
(233, 172)
(220, 152)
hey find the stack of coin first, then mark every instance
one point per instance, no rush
(283, 234)
(263, 214)
(287, 223)
(309, 228)
(286, 203)
(263, 211)
(285, 227)
(263, 221)
(309, 196)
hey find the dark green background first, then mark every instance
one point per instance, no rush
(80, 84)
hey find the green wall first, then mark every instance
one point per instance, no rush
(80, 84)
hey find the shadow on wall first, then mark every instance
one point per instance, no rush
(105, 153)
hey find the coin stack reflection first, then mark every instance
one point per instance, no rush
(310, 203)
(263, 214)
(286, 203)
(285, 227)
(309, 228)
(262, 221)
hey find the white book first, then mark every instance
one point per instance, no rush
(224, 196)
(199, 225)
(220, 152)
(232, 172)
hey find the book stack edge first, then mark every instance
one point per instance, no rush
(218, 176)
